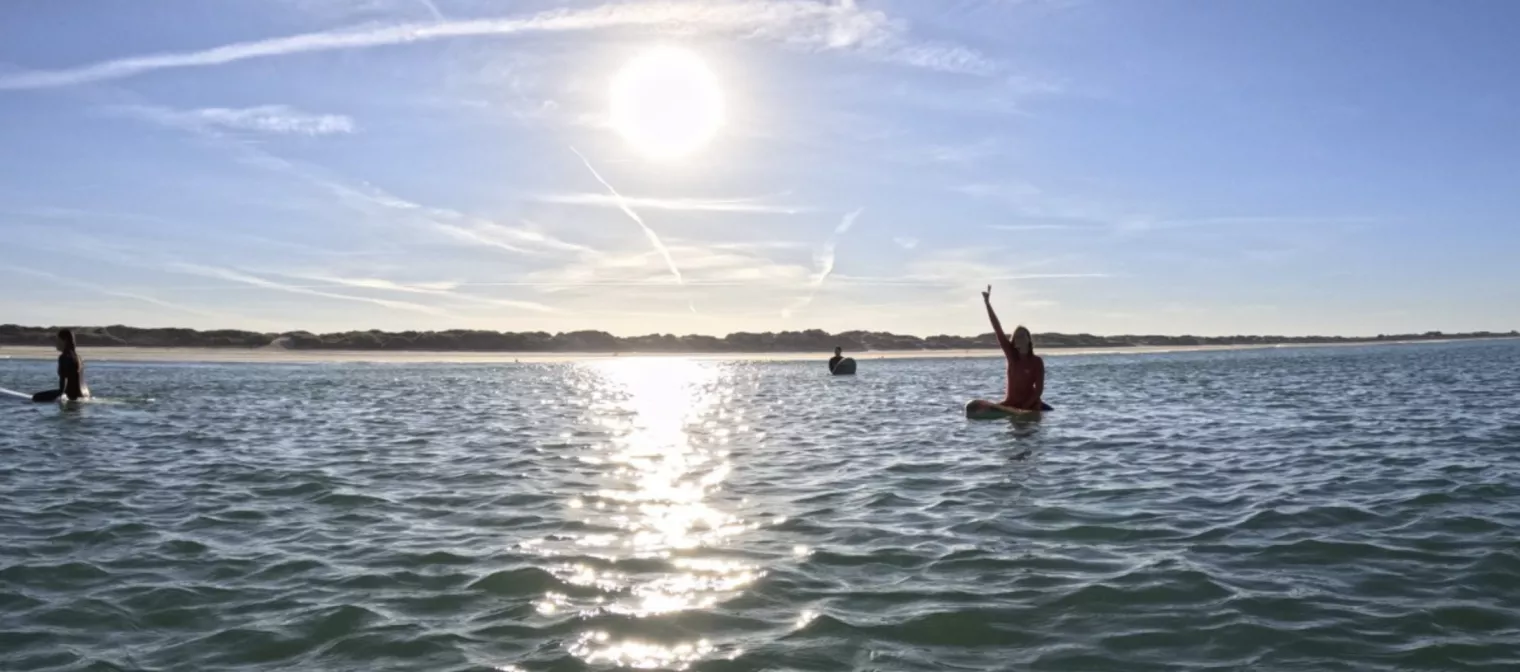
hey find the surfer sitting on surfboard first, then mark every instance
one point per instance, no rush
(70, 371)
(1026, 371)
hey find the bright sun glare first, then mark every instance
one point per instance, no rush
(667, 103)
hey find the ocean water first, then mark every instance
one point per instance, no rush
(1288, 509)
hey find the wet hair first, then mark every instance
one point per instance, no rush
(67, 336)
(838, 349)
(1022, 330)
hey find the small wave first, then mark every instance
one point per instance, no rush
(520, 582)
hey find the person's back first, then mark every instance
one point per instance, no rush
(836, 359)
(70, 367)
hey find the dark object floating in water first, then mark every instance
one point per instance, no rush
(981, 409)
(845, 367)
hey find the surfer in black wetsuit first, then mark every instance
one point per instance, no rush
(70, 371)
(838, 357)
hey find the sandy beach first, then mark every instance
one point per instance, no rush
(275, 355)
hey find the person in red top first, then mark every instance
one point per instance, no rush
(1026, 371)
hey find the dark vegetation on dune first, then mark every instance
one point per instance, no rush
(812, 340)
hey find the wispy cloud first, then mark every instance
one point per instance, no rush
(255, 281)
(842, 26)
(117, 293)
(449, 223)
(966, 152)
(1052, 212)
(440, 289)
(942, 280)
(826, 259)
(433, 9)
(1035, 227)
(975, 267)
(703, 265)
(825, 262)
(1009, 190)
(1243, 221)
(274, 119)
(906, 242)
(369, 199)
(736, 205)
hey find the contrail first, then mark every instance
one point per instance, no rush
(437, 15)
(828, 247)
(825, 261)
(654, 239)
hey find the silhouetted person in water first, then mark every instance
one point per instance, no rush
(70, 371)
(838, 357)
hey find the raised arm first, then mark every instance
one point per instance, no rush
(996, 326)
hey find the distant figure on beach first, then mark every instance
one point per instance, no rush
(1026, 371)
(70, 371)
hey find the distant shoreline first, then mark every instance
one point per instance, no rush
(473, 344)
(275, 355)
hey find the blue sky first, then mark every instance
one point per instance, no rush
(1109, 167)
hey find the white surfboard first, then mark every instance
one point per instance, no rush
(13, 393)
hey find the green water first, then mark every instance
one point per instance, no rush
(1292, 509)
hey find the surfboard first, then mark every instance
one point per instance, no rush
(41, 397)
(980, 409)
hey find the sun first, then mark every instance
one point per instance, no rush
(667, 103)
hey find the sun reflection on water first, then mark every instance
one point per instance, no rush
(651, 525)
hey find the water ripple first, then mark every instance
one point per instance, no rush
(1276, 509)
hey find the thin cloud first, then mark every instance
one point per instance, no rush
(254, 281)
(272, 119)
(1010, 190)
(1242, 221)
(826, 265)
(1034, 227)
(443, 289)
(906, 242)
(964, 153)
(702, 266)
(367, 198)
(975, 267)
(938, 281)
(841, 26)
(738, 205)
(825, 262)
(433, 9)
(120, 294)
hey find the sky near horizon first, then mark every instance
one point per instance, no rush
(1289, 167)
